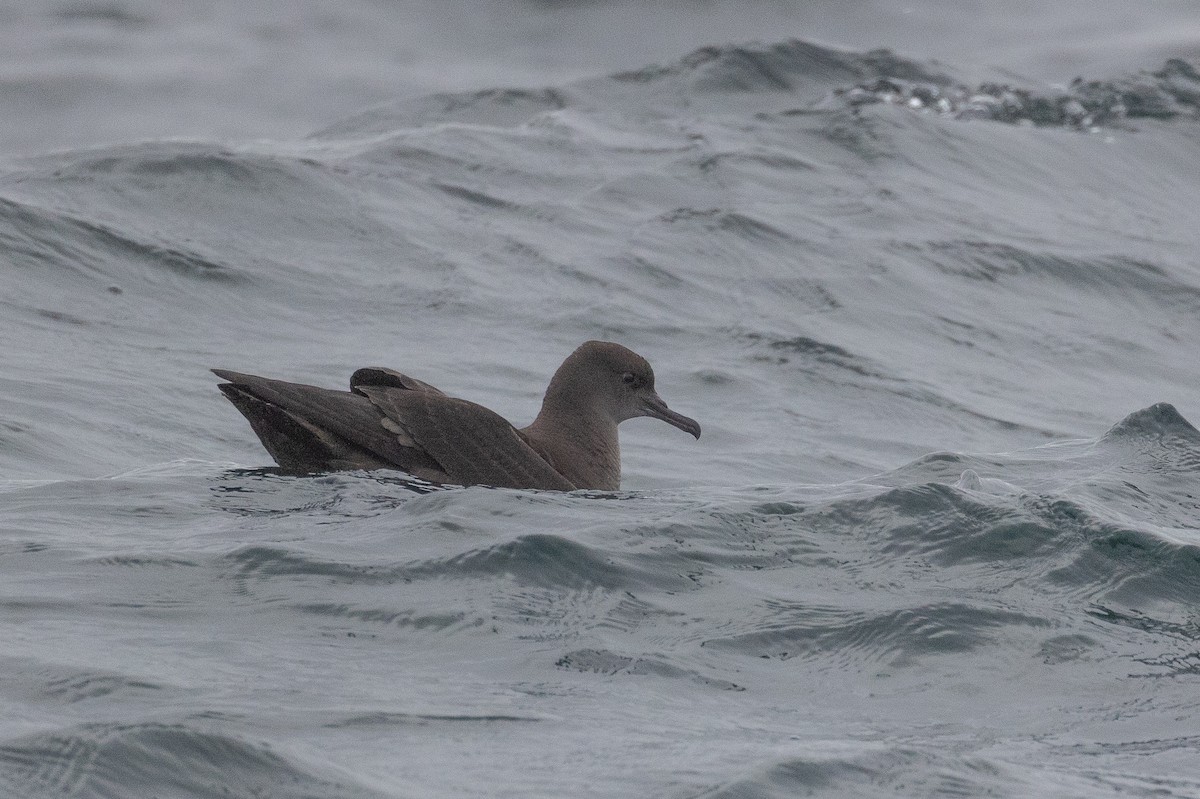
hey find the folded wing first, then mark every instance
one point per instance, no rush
(387, 420)
(311, 429)
(472, 445)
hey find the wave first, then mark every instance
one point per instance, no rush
(799, 77)
(790, 66)
(870, 769)
(595, 661)
(1171, 92)
(149, 759)
(38, 237)
(898, 638)
(1161, 425)
(994, 262)
(531, 560)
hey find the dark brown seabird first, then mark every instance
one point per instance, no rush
(392, 421)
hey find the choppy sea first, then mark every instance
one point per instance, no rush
(928, 274)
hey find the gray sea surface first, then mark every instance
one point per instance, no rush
(926, 273)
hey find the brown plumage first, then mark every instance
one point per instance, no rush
(391, 421)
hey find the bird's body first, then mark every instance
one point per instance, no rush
(391, 421)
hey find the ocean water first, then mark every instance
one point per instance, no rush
(927, 275)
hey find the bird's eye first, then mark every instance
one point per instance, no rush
(629, 378)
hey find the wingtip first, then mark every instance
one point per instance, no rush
(230, 375)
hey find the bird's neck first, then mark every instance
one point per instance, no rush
(582, 447)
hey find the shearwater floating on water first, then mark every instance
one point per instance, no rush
(389, 420)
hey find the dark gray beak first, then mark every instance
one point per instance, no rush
(654, 407)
